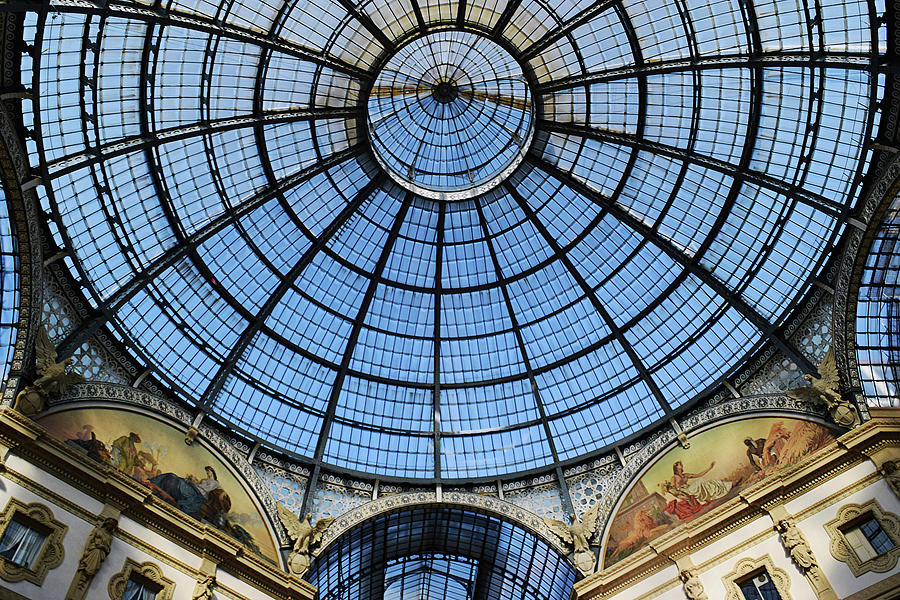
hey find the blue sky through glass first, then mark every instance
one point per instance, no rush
(213, 179)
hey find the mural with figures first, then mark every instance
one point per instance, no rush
(154, 453)
(722, 461)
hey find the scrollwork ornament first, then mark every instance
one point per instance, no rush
(53, 552)
(147, 570)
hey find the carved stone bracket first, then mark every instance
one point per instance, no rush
(96, 549)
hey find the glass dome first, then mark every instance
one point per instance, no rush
(449, 240)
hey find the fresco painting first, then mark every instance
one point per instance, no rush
(686, 483)
(154, 453)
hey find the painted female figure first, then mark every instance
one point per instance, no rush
(691, 491)
(210, 482)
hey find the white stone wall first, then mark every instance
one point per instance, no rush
(57, 581)
(758, 538)
(839, 574)
(715, 560)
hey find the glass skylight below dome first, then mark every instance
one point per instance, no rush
(690, 169)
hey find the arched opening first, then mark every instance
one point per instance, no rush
(436, 552)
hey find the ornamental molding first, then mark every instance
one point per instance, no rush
(869, 212)
(15, 171)
(811, 474)
(50, 456)
(146, 570)
(407, 501)
(746, 567)
(616, 477)
(52, 552)
(96, 394)
(842, 551)
(651, 449)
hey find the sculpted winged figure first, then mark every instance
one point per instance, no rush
(825, 389)
(304, 534)
(578, 535)
(53, 376)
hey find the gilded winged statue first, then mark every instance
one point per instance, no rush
(304, 534)
(53, 376)
(578, 535)
(825, 389)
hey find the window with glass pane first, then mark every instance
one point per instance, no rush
(139, 588)
(868, 539)
(22, 541)
(759, 587)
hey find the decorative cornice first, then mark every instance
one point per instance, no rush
(97, 393)
(886, 588)
(31, 442)
(851, 449)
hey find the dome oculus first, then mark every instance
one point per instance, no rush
(450, 115)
